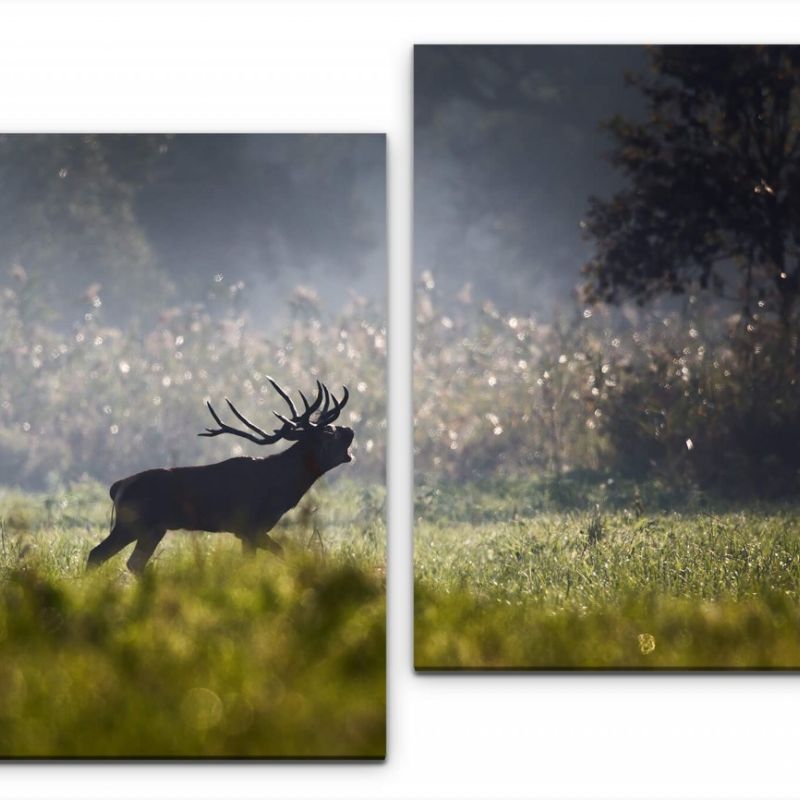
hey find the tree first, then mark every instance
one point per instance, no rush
(712, 174)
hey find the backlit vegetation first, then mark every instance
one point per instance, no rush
(105, 402)
(683, 396)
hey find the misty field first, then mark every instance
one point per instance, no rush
(500, 584)
(211, 653)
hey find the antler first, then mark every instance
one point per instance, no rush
(264, 437)
(329, 416)
(293, 428)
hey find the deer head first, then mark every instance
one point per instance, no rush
(327, 443)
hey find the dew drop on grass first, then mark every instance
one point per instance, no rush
(647, 643)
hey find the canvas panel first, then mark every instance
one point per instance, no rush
(606, 362)
(227, 600)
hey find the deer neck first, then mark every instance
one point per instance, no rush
(300, 469)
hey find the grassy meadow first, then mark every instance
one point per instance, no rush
(211, 653)
(507, 576)
(608, 488)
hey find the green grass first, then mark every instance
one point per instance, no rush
(210, 654)
(623, 589)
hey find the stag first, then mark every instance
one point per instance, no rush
(243, 496)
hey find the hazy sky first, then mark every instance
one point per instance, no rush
(507, 151)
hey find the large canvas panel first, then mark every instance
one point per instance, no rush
(606, 364)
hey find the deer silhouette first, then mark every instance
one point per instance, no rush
(243, 496)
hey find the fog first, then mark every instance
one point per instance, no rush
(155, 220)
(508, 149)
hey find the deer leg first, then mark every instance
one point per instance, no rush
(258, 540)
(265, 542)
(119, 538)
(145, 547)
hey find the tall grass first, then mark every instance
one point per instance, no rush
(620, 589)
(210, 654)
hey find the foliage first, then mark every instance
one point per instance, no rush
(711, 173)
(105, 402)
(694, 589)
(687, 397)
(210, 654)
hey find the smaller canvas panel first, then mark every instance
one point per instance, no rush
(164, 594)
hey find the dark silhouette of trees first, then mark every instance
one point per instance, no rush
(713, 174)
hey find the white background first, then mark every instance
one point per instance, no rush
(346, 66)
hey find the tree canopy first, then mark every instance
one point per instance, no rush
(712, 175)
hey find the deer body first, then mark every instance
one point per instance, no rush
(243, 496)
